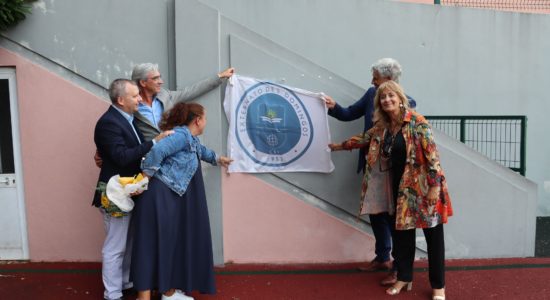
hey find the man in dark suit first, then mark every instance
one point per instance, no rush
(121, 147)
(155, 99)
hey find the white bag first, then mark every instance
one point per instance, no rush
(120, 195)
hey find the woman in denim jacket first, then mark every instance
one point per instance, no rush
(172, 248)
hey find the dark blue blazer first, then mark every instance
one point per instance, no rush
(118, 147)
(364, 107)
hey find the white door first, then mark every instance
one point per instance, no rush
(13, 225)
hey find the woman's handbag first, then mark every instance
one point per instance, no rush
(378, 197)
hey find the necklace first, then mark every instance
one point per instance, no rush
(395, 127)
(389, 139)
(387, 145)
(386, 149)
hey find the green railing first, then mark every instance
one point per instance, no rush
(501, 138)
(513, 5)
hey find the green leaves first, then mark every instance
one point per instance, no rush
(12, 11)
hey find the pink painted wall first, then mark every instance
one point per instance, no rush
(262, 224)
(57, 120)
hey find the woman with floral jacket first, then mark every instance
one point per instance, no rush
(402, 144)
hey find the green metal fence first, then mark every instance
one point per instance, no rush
(514, 5)
(501, 138)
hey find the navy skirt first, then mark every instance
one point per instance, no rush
(172, 245)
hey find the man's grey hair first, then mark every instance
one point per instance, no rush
(117, 88)
(387, 68)
(141, 71)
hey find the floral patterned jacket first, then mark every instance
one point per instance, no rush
(422, 170)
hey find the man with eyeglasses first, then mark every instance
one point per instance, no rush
(156, 99)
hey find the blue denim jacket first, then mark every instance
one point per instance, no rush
(174, 159)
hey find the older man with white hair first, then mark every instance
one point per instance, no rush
(156, 99)
(381, 222)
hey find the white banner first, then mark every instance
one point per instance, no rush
(275, 128)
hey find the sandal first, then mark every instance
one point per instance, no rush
(398, 286)
(438, 297)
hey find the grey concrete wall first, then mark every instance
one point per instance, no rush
(477, 185)
(197, 46)
(494, 207)
(93, 42)
(248, 51)
(457, 61)
(100, 40)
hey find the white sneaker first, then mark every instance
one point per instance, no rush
(178, 295)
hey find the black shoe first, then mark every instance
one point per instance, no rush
(129, 292)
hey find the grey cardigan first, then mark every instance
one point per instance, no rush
(169, 98)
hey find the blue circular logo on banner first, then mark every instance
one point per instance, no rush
(273, 126)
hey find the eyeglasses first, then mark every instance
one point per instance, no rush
(156, 78)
